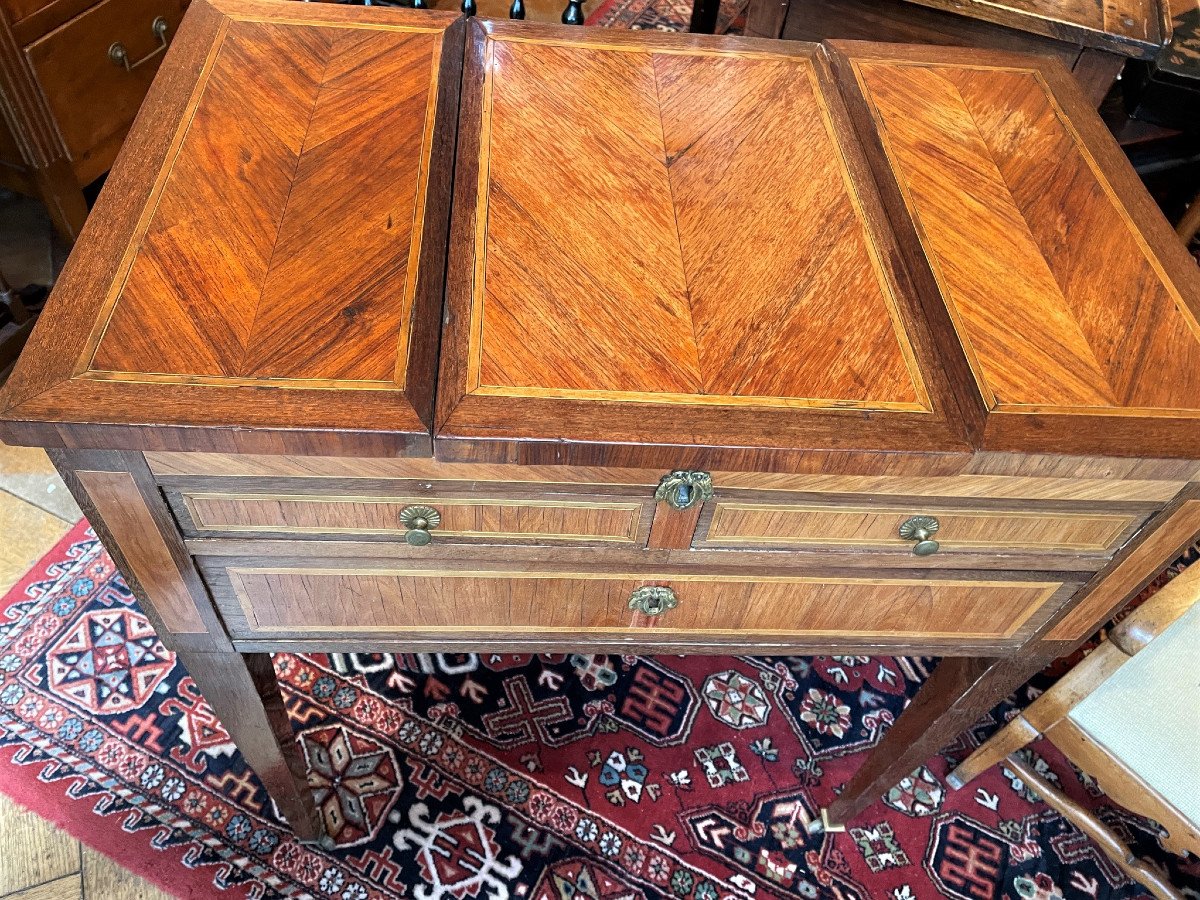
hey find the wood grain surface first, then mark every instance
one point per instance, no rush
(295, 598)
(667, 277)
(1071, 479)
(547, 520)
(1061, 285)
(791, 524)
(268, 252)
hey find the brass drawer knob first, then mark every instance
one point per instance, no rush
(921, 529)
(419, 520)
(119, 56)
(683, 490)
(653, 600)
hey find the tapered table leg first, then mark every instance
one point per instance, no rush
(242, 689)
(960, 690)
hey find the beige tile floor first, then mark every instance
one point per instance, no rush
(38, 861)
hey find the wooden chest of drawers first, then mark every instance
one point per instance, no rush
(473, 335)
(72, 76)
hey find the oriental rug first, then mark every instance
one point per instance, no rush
(500, 777)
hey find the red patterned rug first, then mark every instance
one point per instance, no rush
(497, 777)
(664, 15)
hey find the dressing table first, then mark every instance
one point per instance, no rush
(397, 331)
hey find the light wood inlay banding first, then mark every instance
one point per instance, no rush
(293, 600)
(814, 524)
(1130, 574)
(119, 502)
(319, 514)
(1049, 323)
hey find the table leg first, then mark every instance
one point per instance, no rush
(704, 16)
(960, 690)
(242, 689)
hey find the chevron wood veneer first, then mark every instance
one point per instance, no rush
(395, 331)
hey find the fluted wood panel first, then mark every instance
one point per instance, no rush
(296, 600)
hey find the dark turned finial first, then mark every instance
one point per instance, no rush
(469, 8)
(573, 14)
(517, 10)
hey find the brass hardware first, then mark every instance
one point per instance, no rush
(921, 529)
(119, 56)
(653, 600)
(419, 520)
(683, 490)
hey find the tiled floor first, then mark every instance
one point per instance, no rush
(40, 862)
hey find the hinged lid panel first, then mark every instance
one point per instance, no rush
(1074, 302)
(664, 240)
(285, 269)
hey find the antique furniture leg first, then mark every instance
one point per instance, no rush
(242, 689)
(960, 690)
(117, 494)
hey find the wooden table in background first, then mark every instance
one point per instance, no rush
(1092, 38)
(742, 346)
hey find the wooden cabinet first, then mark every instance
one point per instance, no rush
(72, 76)
(722, 345)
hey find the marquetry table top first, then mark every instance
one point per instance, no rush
(656, 240)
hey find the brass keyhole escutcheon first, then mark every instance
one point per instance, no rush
(419, 520)
(683, 490)
(653, 600)
(921, 529)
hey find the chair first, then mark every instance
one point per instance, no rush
(1129, 716)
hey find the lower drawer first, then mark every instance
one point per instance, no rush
(489, 605)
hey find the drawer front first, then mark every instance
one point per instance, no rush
(94, 98)
(859, 525)
(297, 598)
(623, 521)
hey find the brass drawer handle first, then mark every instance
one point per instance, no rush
(921, 529)
(653, 600)
(419, 520)
(683, 490)
(119, 56)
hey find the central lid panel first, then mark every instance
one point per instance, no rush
(665, 241)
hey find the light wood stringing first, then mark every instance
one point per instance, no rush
(119, 502)
(293, 600)
(751, 524)
(1130, 574)
(1101, 481)
(591, 520)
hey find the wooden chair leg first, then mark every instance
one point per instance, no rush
(1009, 739)
(242, 689)
(1085, 820)
(1190, 223)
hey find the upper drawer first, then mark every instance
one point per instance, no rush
(390, 512)
(869, 524)
(92, 94)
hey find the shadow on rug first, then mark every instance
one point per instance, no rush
(444, 777)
